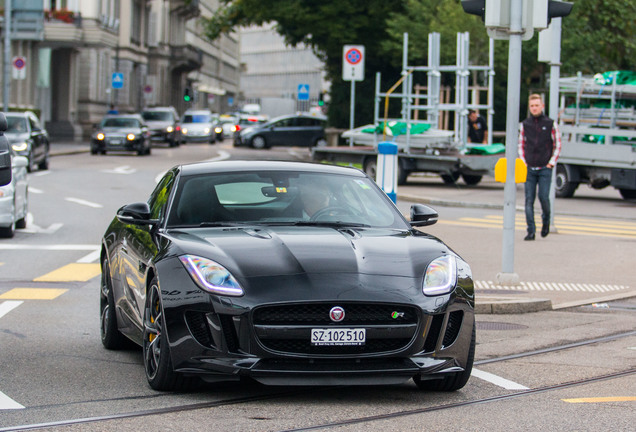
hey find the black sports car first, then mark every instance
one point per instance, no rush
(289, 273)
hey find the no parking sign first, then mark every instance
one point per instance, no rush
(19, 68)
(353, 63)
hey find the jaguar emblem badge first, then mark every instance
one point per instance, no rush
(336, 314)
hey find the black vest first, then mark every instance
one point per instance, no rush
(539, 145)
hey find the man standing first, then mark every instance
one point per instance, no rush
(477, 128)
(539, 148)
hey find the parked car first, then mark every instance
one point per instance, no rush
(121, 132)
(291, 130)
(14, 198)
(28, 138)
(289, 273)
(163, 123)
(198, 126)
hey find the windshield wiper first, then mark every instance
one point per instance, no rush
(335, 224)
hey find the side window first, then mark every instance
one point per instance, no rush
(35, 126)
(159, 199)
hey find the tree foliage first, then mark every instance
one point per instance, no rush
(598, 36)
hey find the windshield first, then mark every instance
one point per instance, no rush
(197, 118)
(121, 123)
(157, 116)
(16, 124)
(282, 198)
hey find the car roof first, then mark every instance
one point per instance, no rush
(198, 168)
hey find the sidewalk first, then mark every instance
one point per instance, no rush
(558, 272)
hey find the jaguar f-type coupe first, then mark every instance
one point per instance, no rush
(287, 273)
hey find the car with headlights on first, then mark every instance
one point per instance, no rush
(197, 125)
(163, 123)
(14, 197)
(303, 130)
(121, 132)
(288, 273)
(28, 138)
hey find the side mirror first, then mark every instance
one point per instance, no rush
(5, 153)
(423, 215)
(136, 214)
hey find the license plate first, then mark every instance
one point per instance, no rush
(115, 142)
(338, 336)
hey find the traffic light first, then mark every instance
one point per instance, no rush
(558, 9)
(187, 94)
(321, 98)
(475, 7)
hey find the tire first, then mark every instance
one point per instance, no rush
(112, 338)
(258, 142)
(564, 187)
(156, 350)
(471, 180)
(8, 232)
(44, 165)
(628, 194)
(451, 382)
(371, 167)
(451, 178)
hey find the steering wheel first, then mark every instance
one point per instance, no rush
(328, 213)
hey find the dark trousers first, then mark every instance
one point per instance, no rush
(542, 178)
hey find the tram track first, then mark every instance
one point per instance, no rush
(380, 417)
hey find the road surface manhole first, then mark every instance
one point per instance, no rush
(488, 325)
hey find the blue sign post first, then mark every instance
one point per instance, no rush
(118, 80)
(303, 92)
(387, 168)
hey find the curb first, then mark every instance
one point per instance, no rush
(508, 305)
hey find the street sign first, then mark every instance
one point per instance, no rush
(118, 80)
(303, 92)
(19, 68)
(353, 63)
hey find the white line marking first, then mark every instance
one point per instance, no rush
(6, 403)
(35, 191)
(91, 257)
(8, 306)
(84, 202)
(67, 247)
(497, 380)
(121, 170)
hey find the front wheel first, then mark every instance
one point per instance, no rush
(156, 350)
(564, 187)
(258, 142)
(471, 180)
(450, 178)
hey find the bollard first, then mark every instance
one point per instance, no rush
(387, 167)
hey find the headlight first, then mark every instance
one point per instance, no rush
(211, 276)
(441, 276)
(218, 129)
(100, 136)
(130, 137)
(169, 129)
(20, 146)
(206, 130)
(184, 131)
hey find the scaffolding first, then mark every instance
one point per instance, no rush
(434, 105)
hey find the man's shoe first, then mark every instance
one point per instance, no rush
(545, 230)
(530, 236)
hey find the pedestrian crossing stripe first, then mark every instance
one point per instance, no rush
(601, 399)
(551, 286)
(74, 272)
(32, 294)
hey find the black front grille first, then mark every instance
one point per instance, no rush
(199, 327)
(389, 327)
(318, 314)
(452, 328)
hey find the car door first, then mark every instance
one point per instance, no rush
(282, 132)
(307, 131)
(38, 138)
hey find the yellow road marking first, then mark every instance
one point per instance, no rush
(32, 294)
(601, 399)
(71, 272)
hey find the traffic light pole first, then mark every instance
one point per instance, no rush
(508, 276)
(6, 87)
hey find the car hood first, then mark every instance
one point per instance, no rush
(280, 251)
(16, 136)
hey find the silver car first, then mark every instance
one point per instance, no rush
(14, 198)
(198, 126)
